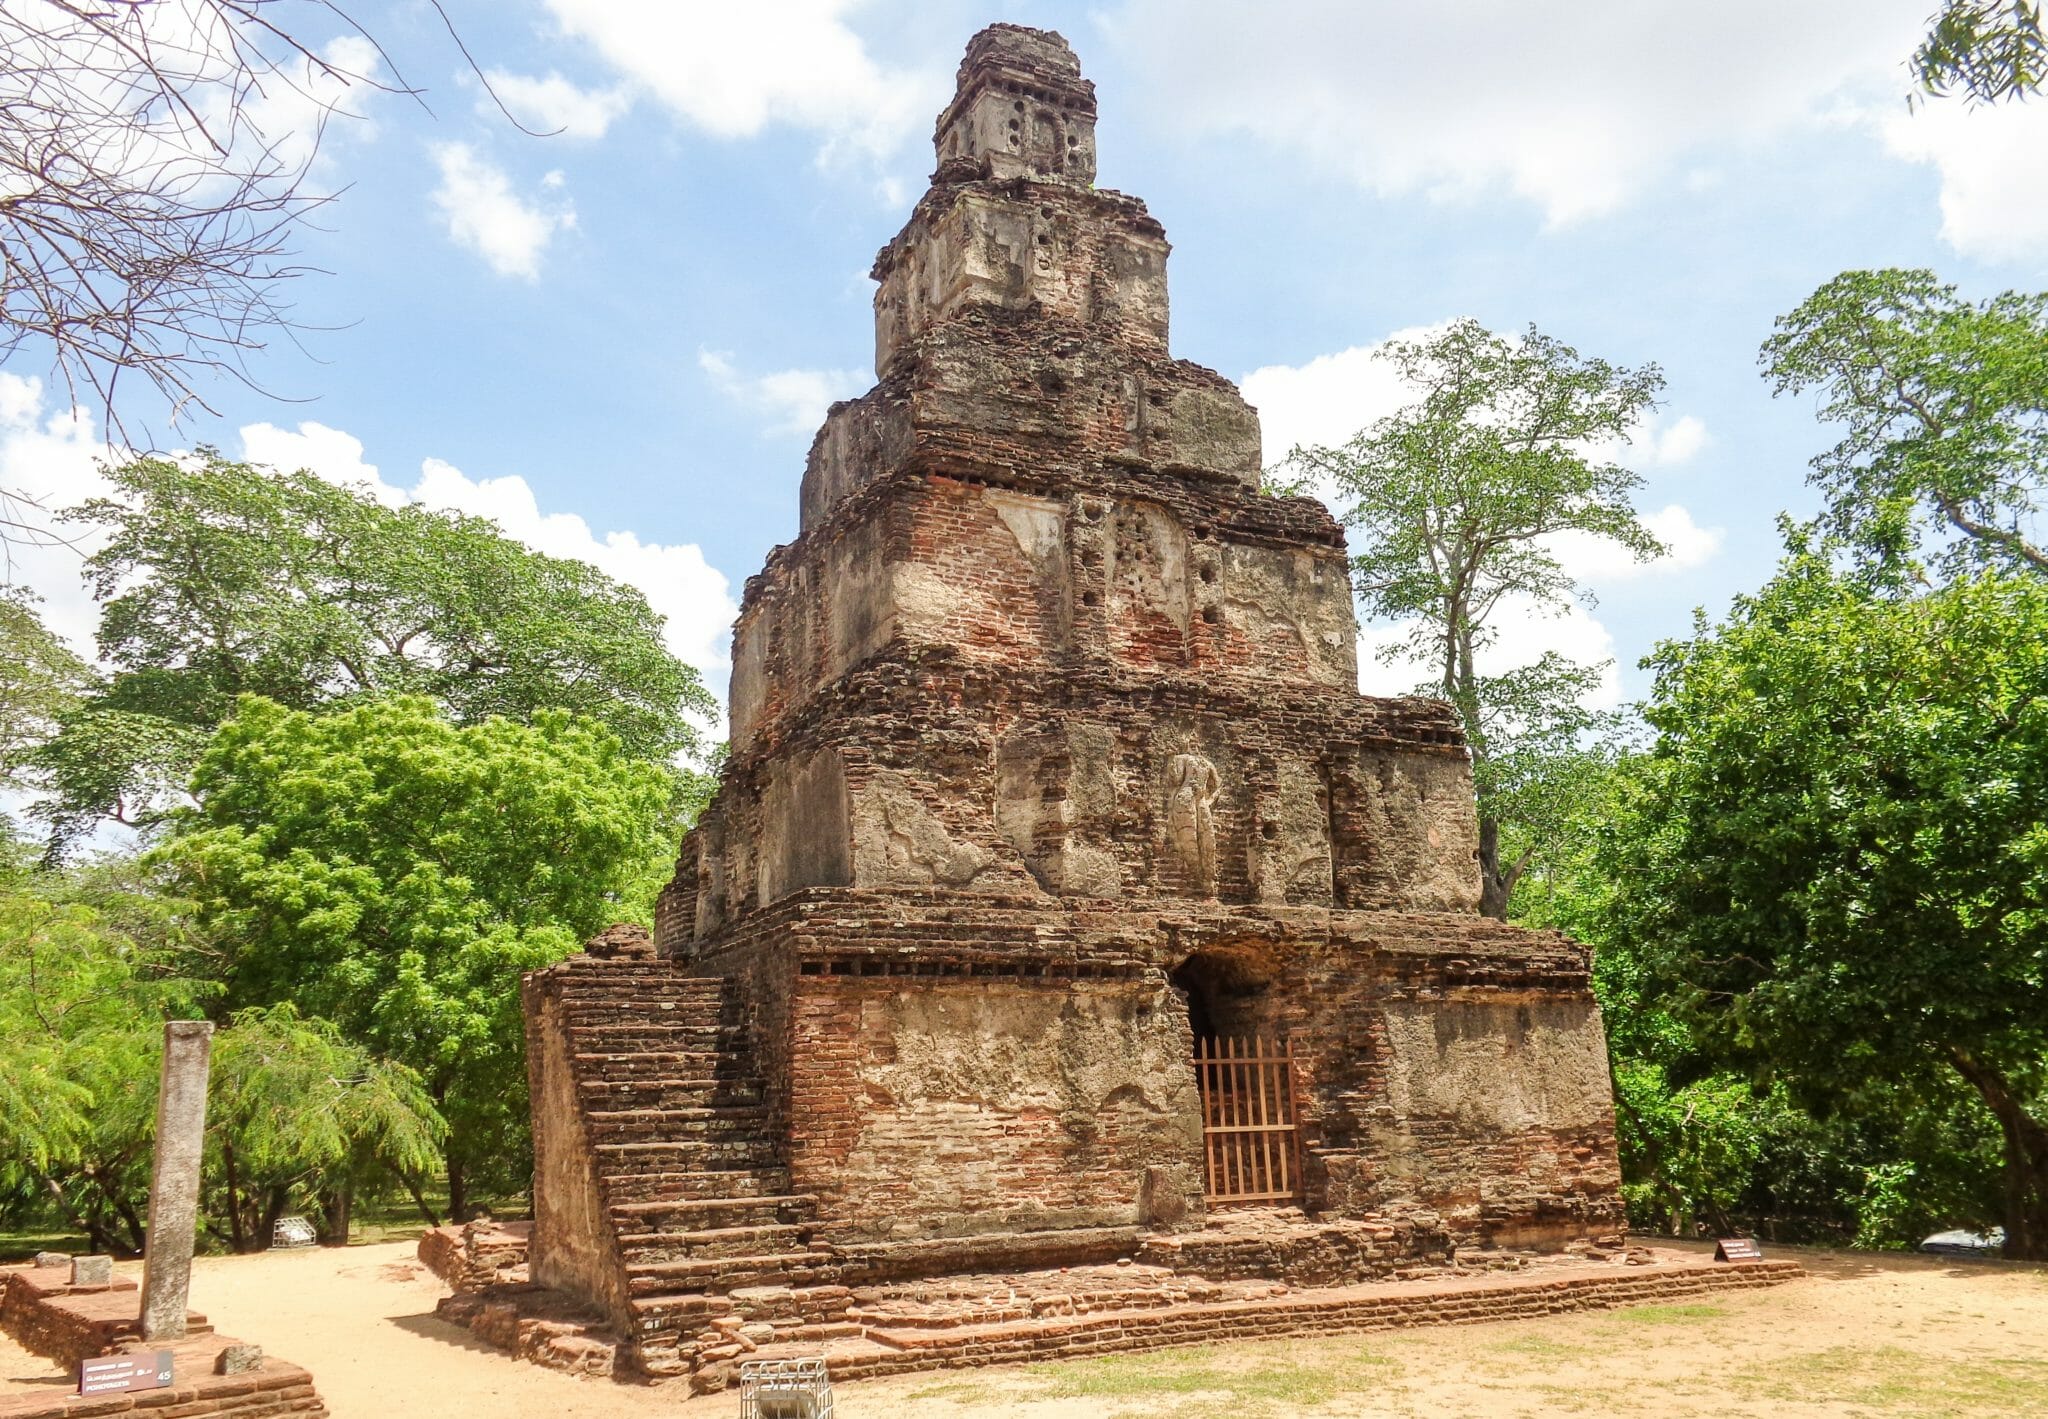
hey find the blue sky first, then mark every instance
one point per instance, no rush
(618, 339)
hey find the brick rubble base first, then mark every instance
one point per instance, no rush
(1028, 1317)
(50, 1317)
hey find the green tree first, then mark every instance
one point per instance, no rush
(1457, 500)
(296, 1112)
(395, 873)
(219, 579)
(40, 679)
(1839, 860)
(92, 961)
(1986, 50)
(1945, 411)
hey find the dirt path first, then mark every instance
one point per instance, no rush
(1863, 1336)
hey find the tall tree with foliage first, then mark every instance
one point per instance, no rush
(1985, 50)
(220, 579)
(1944, 407)
(394, 872)
(93, 960)
(40, 680)
(296, 1112)
(1456, 501)
(1841, 858)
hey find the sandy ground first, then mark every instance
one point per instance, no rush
(1862, 1336)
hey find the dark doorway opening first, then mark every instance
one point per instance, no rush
(1244, 1070)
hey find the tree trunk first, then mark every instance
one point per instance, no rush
(273, 1208)
(236, 1232)
(1494, 888)
(340, 1203)
(1680, 1205)
(2026, 1158)
(419, 1200)
(458, 1199)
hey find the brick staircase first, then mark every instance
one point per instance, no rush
(718, 1253)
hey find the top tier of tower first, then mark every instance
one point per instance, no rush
(1022, 109)
(1013, 219)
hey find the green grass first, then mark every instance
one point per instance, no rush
(962, 1392)
(1899, 1382)
(20, 1246)
(1537, 1345)
(1247, 1384)
(1668, 1315)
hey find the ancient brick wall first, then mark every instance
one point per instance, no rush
(48, 1316)
(950, 1106)
(572, 1246)
(276, 1390)
(1048, 755)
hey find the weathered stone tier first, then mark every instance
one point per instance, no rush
(1049, 778)
(1032, 1317)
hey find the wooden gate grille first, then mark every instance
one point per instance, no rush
(1250, 1135)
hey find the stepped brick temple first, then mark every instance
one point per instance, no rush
(1063, 903)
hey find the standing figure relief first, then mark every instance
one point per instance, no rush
(1192, 786)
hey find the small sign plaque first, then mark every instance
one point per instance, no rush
(1738, 1249)
(117, 1374)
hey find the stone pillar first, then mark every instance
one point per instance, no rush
(174, 1186)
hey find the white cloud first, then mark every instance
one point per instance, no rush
(1660, 444)
(694, 597)
(292, 114)
(50, 457)
(1993, 162)
(484, 214)
(1331, 397)
(733, 70)
(788, 402)
(1527, 633)
(1597, 560)
(551, 104)
(1572, 107)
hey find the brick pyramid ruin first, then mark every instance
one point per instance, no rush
(1061, 893)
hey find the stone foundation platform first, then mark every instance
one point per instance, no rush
(48, 1316)
(1028, 1316)
(471, 1256)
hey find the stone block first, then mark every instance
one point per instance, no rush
(238, 1358)
(92, 1271)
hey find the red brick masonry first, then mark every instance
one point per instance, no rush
(48, 1316)
(473, 1255)
(1017, 1318)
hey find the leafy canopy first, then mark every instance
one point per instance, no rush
(396, 873)
(1839, 857)
(1944, 406)
(1987, 50)
(40, 679)
(93, 960)
(1458, 500)
(219, 580)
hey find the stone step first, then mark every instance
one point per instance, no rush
(728, 1273)
(746, 1124)
(640, 1036)
(681, 1062)
(809, 1334)
(637, 1093)
(670, 1185)
(684, 1154)
(630, 1219)
(792, 1305)
(943, 1312)
(576, 1008)
(747, 1240)
(693, 1121)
